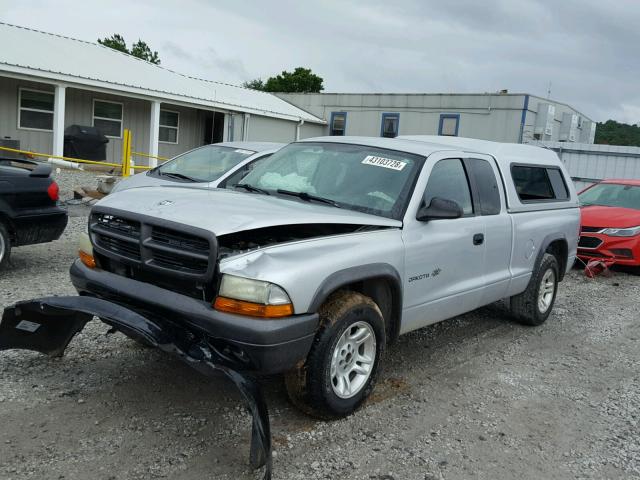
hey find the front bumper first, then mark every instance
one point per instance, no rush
(619, 250)
(47, 325)
(265, 346)
(40, 227)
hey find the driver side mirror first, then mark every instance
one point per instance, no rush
(439, 209)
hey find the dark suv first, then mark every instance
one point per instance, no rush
(29, 211)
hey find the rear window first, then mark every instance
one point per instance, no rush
(539, 184)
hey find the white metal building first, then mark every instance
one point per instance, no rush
(502, 117)
(48, 82)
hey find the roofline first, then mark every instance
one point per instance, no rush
(145, 91)
(37, 75)
(437, 94)
(407, 93)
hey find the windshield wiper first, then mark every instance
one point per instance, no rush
(308, 197)
(179, 175)
(251, 188)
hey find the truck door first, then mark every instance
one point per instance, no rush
(444, 259)
(489, 201)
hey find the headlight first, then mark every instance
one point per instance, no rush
(85, 250)
(622, 232)
(256, 298)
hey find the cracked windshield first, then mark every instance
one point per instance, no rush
(366, 179)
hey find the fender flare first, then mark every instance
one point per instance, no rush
(546, 241)
(369, 271)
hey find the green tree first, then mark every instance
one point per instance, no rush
(139, 49)
(301, 80)
(257, 84)
(615, 133)
(116, 42)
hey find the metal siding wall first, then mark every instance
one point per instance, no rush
(596, 162)
(489, 117)
(190, 132)
(310, 130)
(35, 141)
(560, 109)
(271, 129)
(135, 116)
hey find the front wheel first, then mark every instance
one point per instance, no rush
(342, 366)
(5, 246)
(534, 305)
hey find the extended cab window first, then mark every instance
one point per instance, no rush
(448, 180)
(538, 184)
(486, 186)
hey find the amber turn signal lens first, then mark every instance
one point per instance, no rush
(87, 259)
(241, 307)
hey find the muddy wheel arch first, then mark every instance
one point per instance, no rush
(379, 281)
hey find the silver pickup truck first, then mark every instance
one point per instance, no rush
(320, 257)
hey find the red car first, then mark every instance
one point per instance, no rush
(611, 222)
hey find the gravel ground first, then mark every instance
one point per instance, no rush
(475, 397)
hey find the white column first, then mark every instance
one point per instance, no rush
(58, 120)
(227, 134)
(154, 132)
(245, 127)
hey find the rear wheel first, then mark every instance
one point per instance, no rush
(534, 305)
(342, 367)
(5, 246)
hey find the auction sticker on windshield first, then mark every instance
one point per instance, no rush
(384, 162)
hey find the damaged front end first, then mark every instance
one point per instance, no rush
(47, 325)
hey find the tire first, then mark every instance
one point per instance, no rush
(532, 307)
(5, 246)
(318, 387)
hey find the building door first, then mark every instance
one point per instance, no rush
(213, 127)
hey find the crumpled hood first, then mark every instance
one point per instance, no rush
(224, 211)
(612, 217)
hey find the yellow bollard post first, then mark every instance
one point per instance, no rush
(125, 151)
(129, 156)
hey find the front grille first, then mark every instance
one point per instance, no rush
(119, 247)
(592, 229)
(179, 263)
(118, 225)
(622, 252)
(589, 242)
(180, 240)
(589, 253)
(154, 250)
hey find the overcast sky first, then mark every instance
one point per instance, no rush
(588, 50)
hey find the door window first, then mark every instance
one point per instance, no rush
(486, 185)
(448, 180)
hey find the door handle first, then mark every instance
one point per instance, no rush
(478, 239)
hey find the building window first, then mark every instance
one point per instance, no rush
(390, 124)
(36, 109)
(449, 123)
(107, 117)
(169, 122)
(338, 123)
